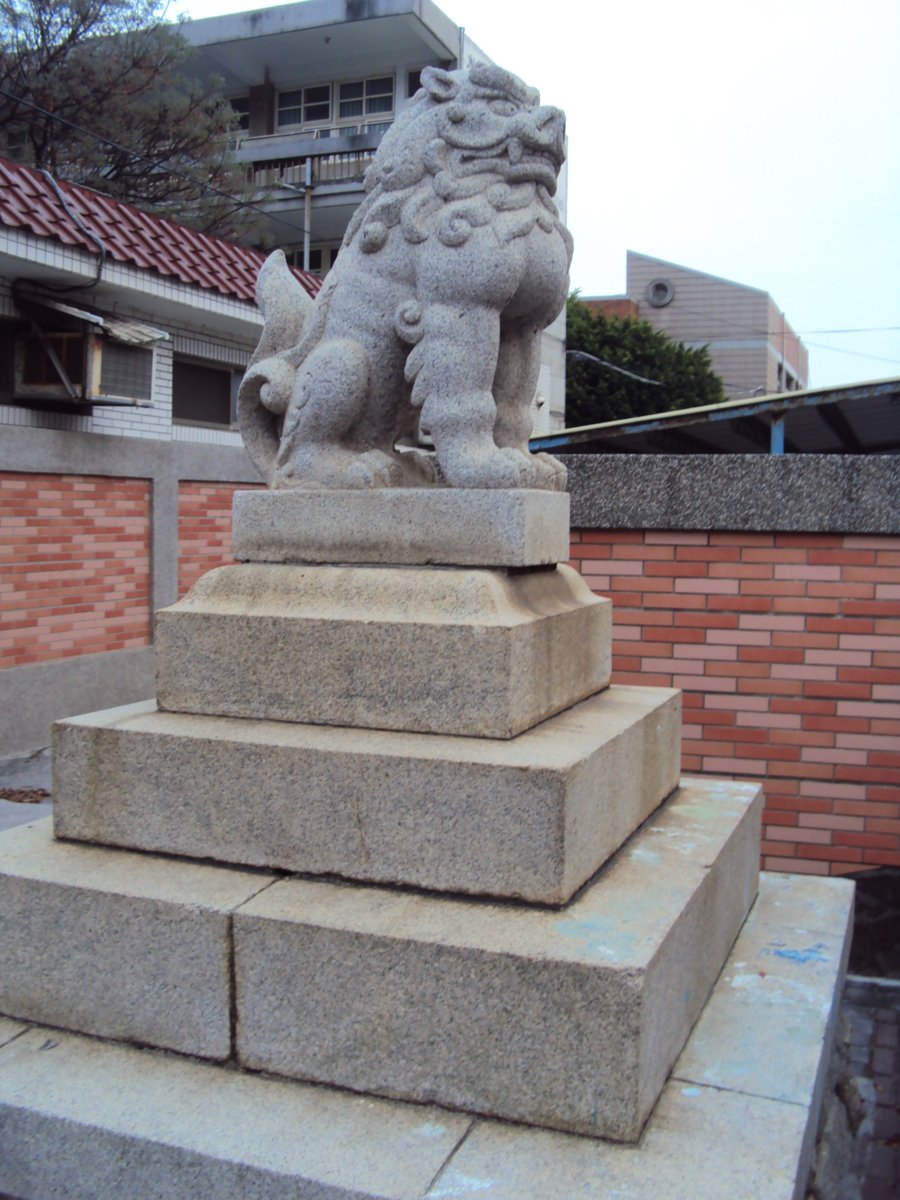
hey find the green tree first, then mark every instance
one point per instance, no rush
(594, 393)
(96, 92)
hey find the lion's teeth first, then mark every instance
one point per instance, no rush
(515, 151)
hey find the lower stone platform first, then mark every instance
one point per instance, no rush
(531, 818)
(564, 1018)
(82, 1118)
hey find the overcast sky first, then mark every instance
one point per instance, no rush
(758, 140)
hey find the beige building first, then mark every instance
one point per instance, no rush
(751, 344)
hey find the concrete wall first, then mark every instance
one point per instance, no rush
(769, 590)
(174, 475)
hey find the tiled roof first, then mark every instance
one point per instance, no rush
(27, 201)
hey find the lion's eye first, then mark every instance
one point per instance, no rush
(503, 108)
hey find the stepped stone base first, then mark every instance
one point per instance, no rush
(465, 527)
(568, 1020)
(473, 652)
(532, 817)
(80, 1118)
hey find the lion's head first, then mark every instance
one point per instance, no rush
(478, 141)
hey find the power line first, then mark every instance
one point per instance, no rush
(156, 163)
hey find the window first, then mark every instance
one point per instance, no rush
(305, 106)
(413, 83)
(204, 395)
(241, 105)
(366, 98)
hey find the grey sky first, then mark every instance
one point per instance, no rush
(758, 140)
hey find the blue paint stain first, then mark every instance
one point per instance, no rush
(810, 954)
(690, 1091)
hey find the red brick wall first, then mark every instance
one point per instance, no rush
(74, 566)
(787, 647)
(204, 529)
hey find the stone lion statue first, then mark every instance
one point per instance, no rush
(432, 315)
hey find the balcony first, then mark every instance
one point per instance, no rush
(336, 156)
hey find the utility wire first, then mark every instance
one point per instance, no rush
(155, 163)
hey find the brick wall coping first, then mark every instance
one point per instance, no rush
(808, 493)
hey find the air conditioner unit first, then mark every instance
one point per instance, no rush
(76, 357)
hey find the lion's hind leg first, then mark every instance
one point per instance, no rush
(329, 399)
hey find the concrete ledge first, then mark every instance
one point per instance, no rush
(87, 1119)
(568, 1020)
(118, 945)
(807, 493)
(533, 817)
(32, 697)
(80, 1117)
(414, 526)
(467, 651)
(727, 1124)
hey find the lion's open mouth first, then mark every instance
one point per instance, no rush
(515, 160)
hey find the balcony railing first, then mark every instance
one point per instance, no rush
(281, 158)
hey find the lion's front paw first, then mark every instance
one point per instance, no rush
(550, 474)
(494, 468)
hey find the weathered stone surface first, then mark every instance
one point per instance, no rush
(9, 1030)
(700, 1144)
(80, 1119)
(116, 944)
(448, 272)
(532, 817)
(783, 983)
(425, 649)
(725, 1125)
(451, 526)
(570, 1020)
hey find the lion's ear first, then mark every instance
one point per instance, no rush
(441, 85)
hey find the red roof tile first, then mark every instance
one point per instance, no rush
(27, 201)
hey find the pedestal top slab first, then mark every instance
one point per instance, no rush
(408, 526)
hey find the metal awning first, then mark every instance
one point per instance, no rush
(861, 418)
(132, 333)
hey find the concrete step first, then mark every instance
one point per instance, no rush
(567, 1018)
(564, 1019)
(531, 818)
(121, 945)
(83, 1119)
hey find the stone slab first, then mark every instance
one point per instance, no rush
(787, 983)
(466, 527)
(425, 649)
(81, 1118)
(9, 1030)
(532, 817)
(745, 1136)
(116, 944)
(569, 1020)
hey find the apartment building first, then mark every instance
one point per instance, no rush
(317, 85)
(751, 344)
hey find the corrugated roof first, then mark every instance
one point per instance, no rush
(861, 418)
(27, 201)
